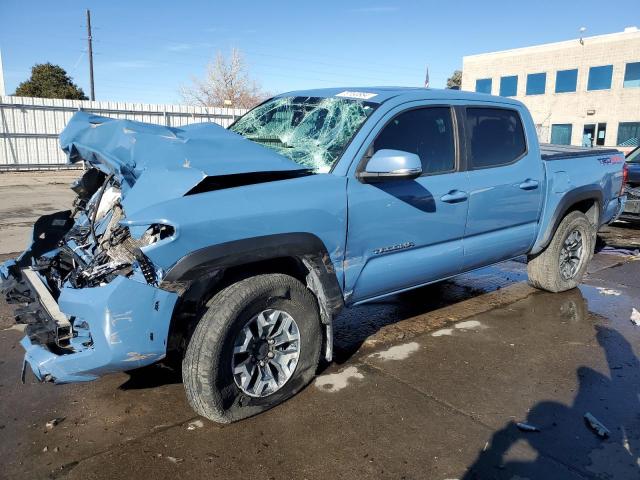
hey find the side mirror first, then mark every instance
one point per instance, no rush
(391, 165)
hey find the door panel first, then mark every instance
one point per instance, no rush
(402, 234)
(505, 188)
(408, 232)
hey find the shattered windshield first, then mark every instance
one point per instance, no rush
(311, 131)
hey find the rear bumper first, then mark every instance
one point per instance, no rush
(615, 209)
(631, 209)
(118, 326)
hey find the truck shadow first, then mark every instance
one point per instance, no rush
(152, 376)
(356, 324)
(565, 446)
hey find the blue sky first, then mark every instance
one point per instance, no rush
(145, 50)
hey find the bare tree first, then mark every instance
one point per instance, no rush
(227, 83)
(455, 80)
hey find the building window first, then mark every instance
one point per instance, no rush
(483, 85)
(566, 80)
(600, 78)
(629, 134)
(632, 75)
(508, 86)
(561, 134)
(536, 83)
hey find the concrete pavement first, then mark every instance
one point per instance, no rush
(428, 384)
(25, 196)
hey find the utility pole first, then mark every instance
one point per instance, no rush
(90, 40)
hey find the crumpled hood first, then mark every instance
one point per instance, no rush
(129, 148)
(155, 163)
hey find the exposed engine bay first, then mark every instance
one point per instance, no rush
(81, 248)
(98, 247)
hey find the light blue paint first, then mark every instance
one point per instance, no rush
(128, 322)
(381, 237)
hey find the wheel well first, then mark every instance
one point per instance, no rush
(194, 299)
(590, 207)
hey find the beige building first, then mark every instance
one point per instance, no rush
(579, 92)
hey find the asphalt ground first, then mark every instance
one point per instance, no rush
(428, 384)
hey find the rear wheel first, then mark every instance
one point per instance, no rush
(563, 263)
(257, 344)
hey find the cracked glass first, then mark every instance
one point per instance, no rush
(311, 131)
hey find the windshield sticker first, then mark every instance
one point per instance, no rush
(358, 95)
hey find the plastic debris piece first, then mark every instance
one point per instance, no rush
(596, 426)
(195, 424)
(619, 251)
(608, 291)
(175, 460)
(45, 449)
(525, 427)
(52, 423)
(635, 317)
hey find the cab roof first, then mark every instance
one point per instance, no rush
(382, 94)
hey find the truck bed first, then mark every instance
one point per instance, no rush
(561, 152)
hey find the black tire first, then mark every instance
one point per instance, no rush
(544, 268)
(207, 366)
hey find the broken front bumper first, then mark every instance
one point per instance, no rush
(114, 327)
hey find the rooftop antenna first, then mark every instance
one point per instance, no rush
(582, 30)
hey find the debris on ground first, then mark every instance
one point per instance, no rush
(45, 449)
(596, 426)
(526, 427)
(624, 252)
(195, 424)
(52, 423)
(635, 317)
(609, 291)
(175, 460)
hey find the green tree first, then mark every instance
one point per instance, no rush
(50, 81)
(455, 80)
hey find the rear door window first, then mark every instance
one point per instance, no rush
(495, 136)
(427, 132)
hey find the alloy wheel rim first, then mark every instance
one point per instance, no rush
(571, 254)
(265, 353)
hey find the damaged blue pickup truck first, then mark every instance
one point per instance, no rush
(232, 250)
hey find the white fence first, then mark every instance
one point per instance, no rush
(29, 127)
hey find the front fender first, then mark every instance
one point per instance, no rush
(305, 246)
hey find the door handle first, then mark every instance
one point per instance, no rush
(529, 184)
(454, 196)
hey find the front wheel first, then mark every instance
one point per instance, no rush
(563, 263)
(257, 344)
